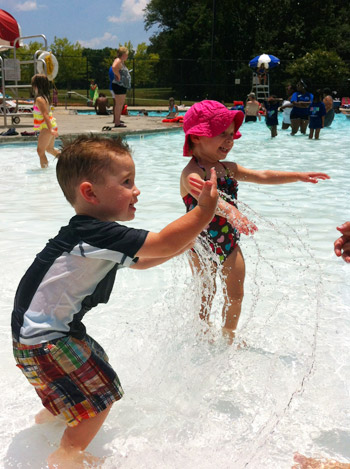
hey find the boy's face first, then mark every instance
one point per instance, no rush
(117, 195)
(216, 148)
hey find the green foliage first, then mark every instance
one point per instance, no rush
(70, 60)
(321, 68)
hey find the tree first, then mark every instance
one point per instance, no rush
(323, 69)
(72, 65)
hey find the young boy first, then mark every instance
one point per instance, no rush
(271, 106)
(76, 271)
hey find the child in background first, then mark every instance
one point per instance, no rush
(317, 112)
(210, 130)
(44, 122)
(173, 109)
(75, 272)
(271, 118)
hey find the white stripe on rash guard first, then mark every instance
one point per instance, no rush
(74, 272)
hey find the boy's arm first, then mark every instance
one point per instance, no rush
(146, 263)
(277, 177)
(178, 234)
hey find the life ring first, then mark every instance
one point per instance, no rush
(51, 65)
(178, 119)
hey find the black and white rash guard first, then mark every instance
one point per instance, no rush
(73, 273)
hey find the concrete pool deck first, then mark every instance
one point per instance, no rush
(71, 124)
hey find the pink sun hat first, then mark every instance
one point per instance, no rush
(209, 119)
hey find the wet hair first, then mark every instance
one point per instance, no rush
(121, 51)
(87, 157)
(42, 84)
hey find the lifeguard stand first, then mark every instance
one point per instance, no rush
(261, 91)
(10, 76)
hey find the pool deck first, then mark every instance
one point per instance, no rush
(70, 124)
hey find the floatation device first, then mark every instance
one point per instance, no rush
(178, 119)
(238, 103)
(51, 65)
(125, 110)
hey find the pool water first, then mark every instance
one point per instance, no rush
(135, 113)
(190, 400)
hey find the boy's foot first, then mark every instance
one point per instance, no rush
(62, 459)
(44, 416)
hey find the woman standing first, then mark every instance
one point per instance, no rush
(301, 100)
(120, 84)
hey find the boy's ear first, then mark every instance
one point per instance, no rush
(86, 190)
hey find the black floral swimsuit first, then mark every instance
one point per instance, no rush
(220, 234)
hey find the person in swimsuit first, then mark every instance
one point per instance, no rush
(210, 130)
(173, 109)
(44, 122)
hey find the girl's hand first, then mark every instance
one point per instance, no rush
(205, 191)
(313, 177)
(241, 223)
(54, 132)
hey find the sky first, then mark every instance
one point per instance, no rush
(94, 24)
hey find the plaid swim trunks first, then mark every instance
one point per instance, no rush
(72, 377)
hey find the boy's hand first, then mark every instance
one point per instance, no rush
(205, 192)
(313, 177)
(342, 244)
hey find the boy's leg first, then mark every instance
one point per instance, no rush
(234, 273)
(311, 134)
(44, 416)
(317, 133)
(74, 441)
(43, 141)
(208, 288)
(274, 131)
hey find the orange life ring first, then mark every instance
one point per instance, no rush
(179, 119)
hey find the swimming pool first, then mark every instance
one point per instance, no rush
(191, 402)
(134, 113)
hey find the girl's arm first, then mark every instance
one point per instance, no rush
(277, 177)
(191, 183)
(43, 105)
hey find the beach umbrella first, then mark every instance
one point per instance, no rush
(9, 30)
(270, 61)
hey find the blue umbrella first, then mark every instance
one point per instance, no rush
(270, 61)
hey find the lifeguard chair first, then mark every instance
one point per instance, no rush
(13, 108)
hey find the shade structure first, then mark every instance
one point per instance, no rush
(270, 61)
(9, 30)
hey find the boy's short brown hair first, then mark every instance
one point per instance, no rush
(88, 157)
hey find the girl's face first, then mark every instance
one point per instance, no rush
(213, 149)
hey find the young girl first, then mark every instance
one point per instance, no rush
(210, 130)
(44, 122)
(317, 112)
